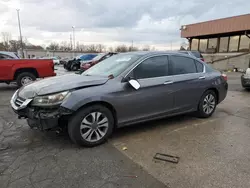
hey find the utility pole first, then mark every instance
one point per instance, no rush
(20, 32)
(74, 44)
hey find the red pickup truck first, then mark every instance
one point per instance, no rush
(23, 71)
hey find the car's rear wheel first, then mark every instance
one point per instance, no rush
(91, 126)
(25, 78)
(207, 104)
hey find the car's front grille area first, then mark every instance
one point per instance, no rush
(19, 101)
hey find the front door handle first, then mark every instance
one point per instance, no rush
(168, 82)
(202, 77)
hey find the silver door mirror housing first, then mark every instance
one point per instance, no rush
(135, 84)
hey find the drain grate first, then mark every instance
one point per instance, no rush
(165, 157)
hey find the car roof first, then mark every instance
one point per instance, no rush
(149, 53)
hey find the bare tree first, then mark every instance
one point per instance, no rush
(110, 49)
(121, 48)
(146, 48)
(6, 37)
(152, 48)
(64, 45)
(14, 45)
(53, 46)
(91, 48)
(82, 47)
(100, 47)
(77, 46)
(132, 48)
(2, 48)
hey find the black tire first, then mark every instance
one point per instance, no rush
(201, 112)
(74, 68)
(23, 75)
(75, 124)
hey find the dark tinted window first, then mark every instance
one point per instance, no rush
(199, 66)
(152, 67)
(182, 65)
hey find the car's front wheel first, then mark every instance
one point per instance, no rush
(91, 126)
(207, 104)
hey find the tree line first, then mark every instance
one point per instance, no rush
(8, 44)
(94, 48)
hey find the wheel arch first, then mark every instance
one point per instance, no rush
(215, 90)
(29, 70)
(103, 103)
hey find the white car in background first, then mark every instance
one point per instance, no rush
(56, 60)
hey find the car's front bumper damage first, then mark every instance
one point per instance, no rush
(40, 117)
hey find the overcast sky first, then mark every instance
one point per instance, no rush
(111, 22)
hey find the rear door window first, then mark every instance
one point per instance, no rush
(182, 65)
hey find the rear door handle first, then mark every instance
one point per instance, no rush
(202, 77)
(168, 82)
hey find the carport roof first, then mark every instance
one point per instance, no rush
(220, 26)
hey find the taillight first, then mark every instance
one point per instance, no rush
(202, 59)
(86, 66)
(224, 76)
(52, 65)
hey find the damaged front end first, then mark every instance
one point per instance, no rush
(46, 118)
(43, 117)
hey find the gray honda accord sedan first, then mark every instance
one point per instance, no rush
(124, 89)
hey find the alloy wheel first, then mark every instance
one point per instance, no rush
(25, 80)
(94, 126)
(209, 104)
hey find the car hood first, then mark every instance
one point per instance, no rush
(60, 83)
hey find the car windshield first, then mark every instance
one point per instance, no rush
(86, 57)
(114, 65)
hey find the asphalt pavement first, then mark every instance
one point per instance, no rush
(213, 152)
(34, 159)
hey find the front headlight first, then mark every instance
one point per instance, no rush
(50, 100)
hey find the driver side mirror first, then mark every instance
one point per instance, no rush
(134, 83)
